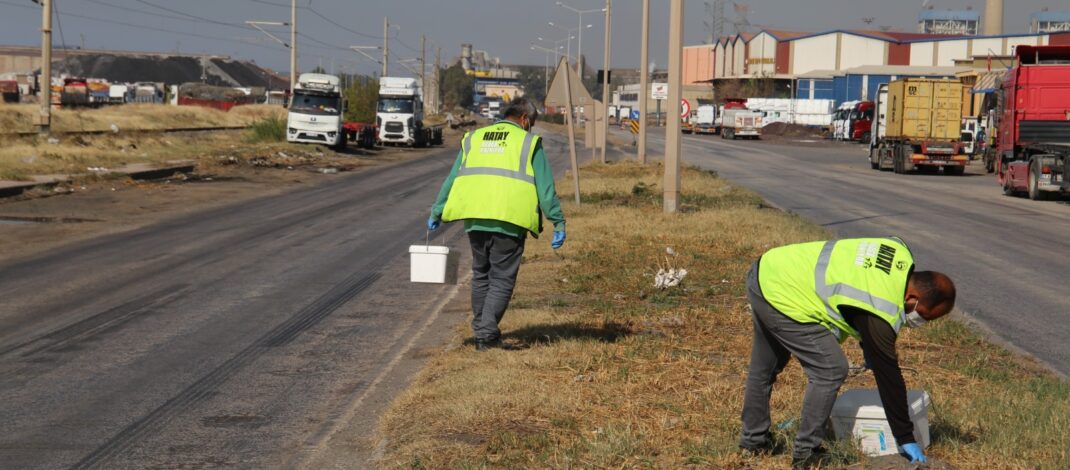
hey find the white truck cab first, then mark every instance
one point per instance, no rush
(316, 110)
(400, 113)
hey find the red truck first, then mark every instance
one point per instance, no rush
(1033, 140)
(9, 91)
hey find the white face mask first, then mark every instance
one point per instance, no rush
(913, 320)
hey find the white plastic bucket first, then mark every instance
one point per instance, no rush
(428, 263)
(859, 414)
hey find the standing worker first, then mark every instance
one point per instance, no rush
(498, 184)
(809, 297)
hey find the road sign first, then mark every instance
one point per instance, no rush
(635, 115)
(685, 109)
(659, 91)
(635, 127)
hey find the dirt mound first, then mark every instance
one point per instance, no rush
(783, 129)
(168, 69)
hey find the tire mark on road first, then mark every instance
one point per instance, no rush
(94, 324)
(204, 388)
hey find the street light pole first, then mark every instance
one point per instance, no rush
(672, 128)
(644, 81)
(45, 79)
(605, 81)
(579, 40)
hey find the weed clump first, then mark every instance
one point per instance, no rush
(268, 129)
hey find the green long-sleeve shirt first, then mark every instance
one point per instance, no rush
(544, 186)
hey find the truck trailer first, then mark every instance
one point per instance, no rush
(1033, 140)
(919, 124)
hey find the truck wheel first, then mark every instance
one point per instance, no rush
(874, 159)
(1034, 181)
(865, 137)
(897, 161)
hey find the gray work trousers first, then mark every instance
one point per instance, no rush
(776, 338)
(495, 264)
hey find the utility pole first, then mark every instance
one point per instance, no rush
(604, 125)
(293, 45)
(672, 128)
(423, 64)
(438, 79)
(644, 81)
(45, 79)
(386, 46)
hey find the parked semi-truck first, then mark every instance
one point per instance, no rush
(400, 115)
(316, 110)
(1034, 123)
(918, 126)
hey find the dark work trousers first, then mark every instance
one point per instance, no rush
(495, 264)
(776, 338)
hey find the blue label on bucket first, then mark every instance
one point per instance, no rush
(884, 444)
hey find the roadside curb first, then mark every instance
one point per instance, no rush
(137, 171)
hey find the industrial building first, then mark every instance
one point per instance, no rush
(1050, 22)
(949, 22)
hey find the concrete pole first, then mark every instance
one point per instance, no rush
(571, 135)
(579, 47)
(386, 46)
(644, 81)
(45, 79)
(293, 46)
(438, 70)
(423, 64)
(672, 128)
(604, 125)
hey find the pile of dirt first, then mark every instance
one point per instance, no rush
(170, 70)
(791, 131)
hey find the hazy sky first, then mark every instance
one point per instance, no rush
(502, 27)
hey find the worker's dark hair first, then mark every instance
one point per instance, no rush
(935, 290)
(521, 106)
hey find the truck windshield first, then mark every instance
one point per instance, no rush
(395, 105)
(315, 104)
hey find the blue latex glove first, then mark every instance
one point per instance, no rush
(433, 223)
(559, 239)
(913, 450)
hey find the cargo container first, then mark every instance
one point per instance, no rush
(1033, 139)
(919, 123)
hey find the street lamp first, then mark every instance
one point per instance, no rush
(569, 32)
(289, 45)
(579, 42)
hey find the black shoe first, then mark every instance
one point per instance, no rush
(487, 345)
(817, 458)
(758, 451)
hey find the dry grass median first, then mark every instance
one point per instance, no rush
(21, 117)
(613, 373)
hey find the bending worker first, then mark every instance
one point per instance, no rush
(497, 185)
(809, 297)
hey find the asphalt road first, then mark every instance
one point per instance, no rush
(242, 336)
(1007, 255)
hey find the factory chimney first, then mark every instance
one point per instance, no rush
(993, 17)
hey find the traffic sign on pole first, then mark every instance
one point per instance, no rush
(685, 109)
(635, 127)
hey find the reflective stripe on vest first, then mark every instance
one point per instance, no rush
(521, 174)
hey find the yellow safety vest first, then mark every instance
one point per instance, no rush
(496, 179)
(809, 282)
